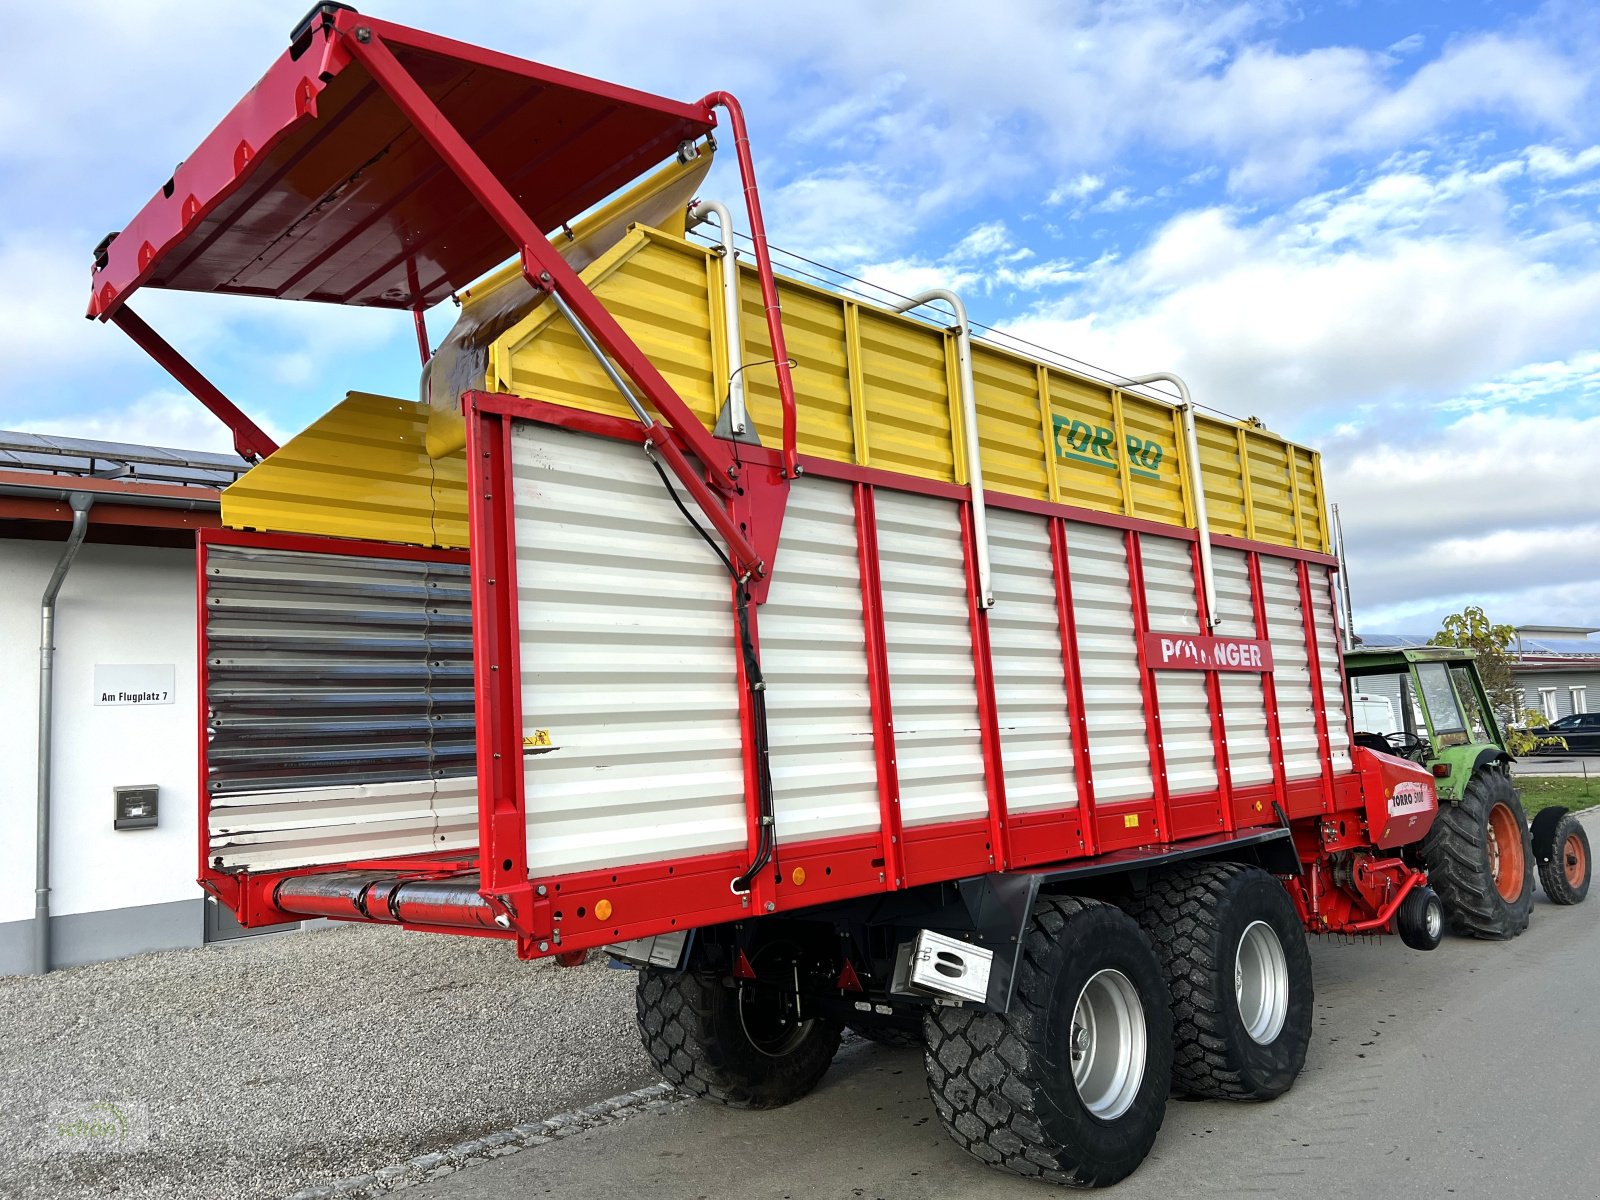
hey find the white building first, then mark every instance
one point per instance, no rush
(125, 712)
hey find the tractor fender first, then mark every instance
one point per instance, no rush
(1544, 828)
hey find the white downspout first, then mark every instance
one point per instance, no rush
(738, 418)
(1197, 487)
(969, 425)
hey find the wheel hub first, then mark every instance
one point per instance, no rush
(1261, 983)
(1574, 862)
(1504, 844)
(1107, 1040)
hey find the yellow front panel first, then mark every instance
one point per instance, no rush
(813, 327)
(906, 387)
(359, 471)
(881, 389)
(1085, 434)
(1272, 502)
(1153, 459)
(1009, 432)
(1219, 467)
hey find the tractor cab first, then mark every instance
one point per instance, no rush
(1426, 704)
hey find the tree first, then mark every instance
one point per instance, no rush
(1471, 629)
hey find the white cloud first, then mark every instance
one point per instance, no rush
(1492, 504)
(1551, 162)
(1406, 285)
(168, 419)
(1080, 187)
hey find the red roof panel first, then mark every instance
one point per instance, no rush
(316, 187)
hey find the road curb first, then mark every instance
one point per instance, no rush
(425, 1168)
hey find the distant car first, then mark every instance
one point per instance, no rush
(1581, 732)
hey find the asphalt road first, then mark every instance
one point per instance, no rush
(1559, 764)
(1467, 1072)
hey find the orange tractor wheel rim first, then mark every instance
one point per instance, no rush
(1505, 852)
(1574, 862)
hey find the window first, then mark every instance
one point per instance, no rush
(1469, 701)
(1580, 700)
(1547, 702)
(1440, 698)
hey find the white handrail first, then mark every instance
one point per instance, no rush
(1197, 486)
(738, 418)
(969, 424)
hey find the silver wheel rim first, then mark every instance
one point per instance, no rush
(1261, 983)
(1108, 1044)
(1434, 920)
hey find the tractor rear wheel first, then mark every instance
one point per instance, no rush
(1564, 862)
(737, 1043)
(1480, 859)
(1070, 1085)
(1236, 962)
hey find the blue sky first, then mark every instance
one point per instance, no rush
(1373, 225)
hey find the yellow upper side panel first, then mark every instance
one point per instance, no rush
(361, 470)
(878, 389)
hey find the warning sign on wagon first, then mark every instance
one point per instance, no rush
(128, 683)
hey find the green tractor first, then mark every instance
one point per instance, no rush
(1428, 704)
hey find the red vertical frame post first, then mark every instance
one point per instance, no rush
(761, 887)
(1219, 728)
(1319, 702)
(988, 715)
(497, 659)
(1069, 663)
(1147, 685)
(878, 687)
(1269, 685)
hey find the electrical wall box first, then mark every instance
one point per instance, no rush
(137, 807)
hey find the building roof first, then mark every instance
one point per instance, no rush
(81, 458)
(147, 495)
(1528, 651)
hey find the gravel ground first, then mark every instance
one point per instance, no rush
(261, 1067)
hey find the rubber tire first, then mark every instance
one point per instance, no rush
(1411, 921)
(1196, 916)
(1456, 852)
(1001, 1083)
(689, 1024)
(900, 1031)
(1552, 873)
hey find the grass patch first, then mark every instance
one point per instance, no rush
(1542, 791)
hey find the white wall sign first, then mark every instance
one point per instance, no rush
(124, 683)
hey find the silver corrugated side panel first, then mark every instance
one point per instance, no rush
(1188, 746)
(1029, 677)
(339, 696)
(268, 831)
(628, 660)
(1244, 697)
(814, 657)
(1291, 675)
(928, 635)
(1325, 613)
(1108, 662)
